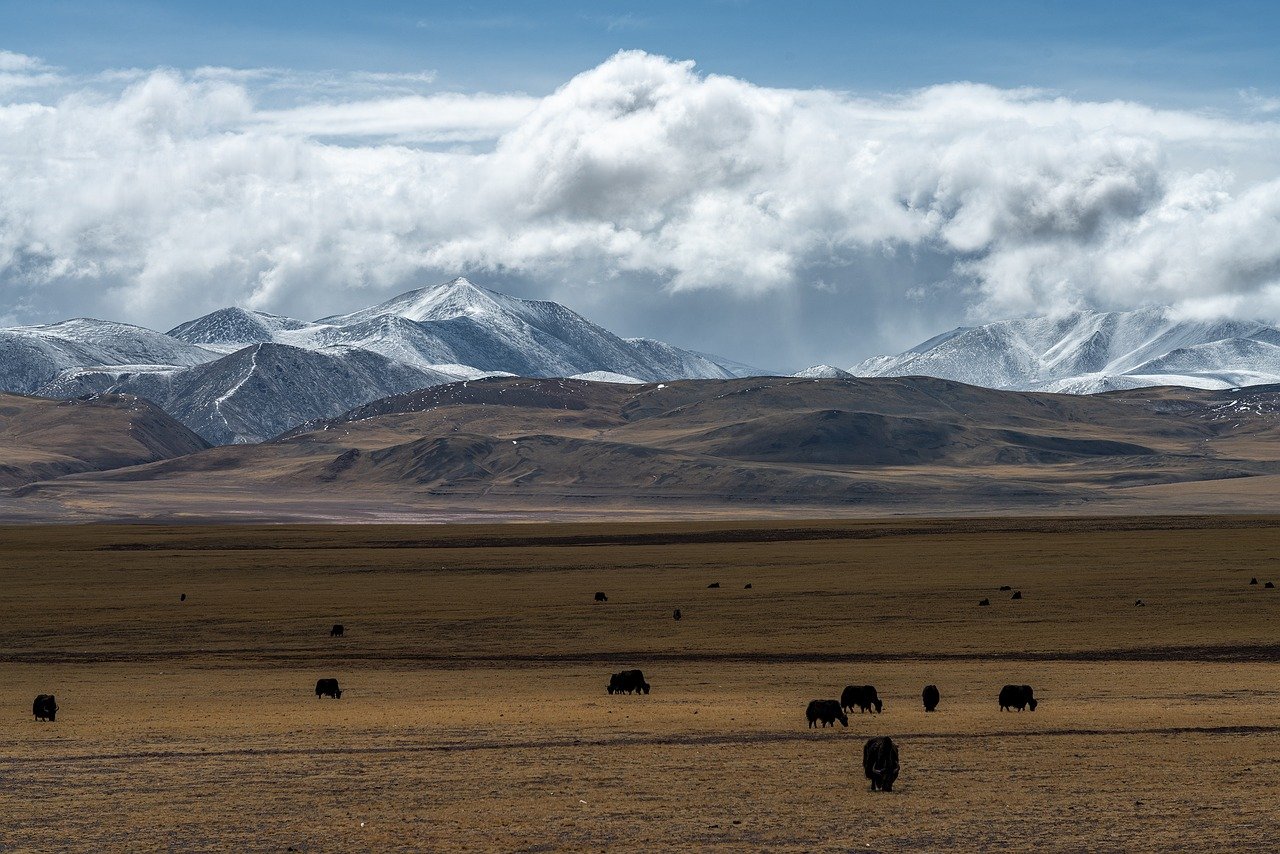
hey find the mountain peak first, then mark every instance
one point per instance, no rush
(824, 372)
(236, 327)
(1085, 350)
(459, 297)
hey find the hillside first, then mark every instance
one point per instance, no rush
(513, 445)
(43, 439)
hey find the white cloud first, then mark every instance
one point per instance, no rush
(177, 193)
(416, 118)
(18, 62)
(19, 72)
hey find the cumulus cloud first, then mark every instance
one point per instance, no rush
(642, 178)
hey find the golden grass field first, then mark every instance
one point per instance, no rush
(474, 715)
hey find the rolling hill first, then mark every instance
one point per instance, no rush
(814, 446)
(42, 439)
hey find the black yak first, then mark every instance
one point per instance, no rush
(880, 762)
(1017, 697)
(45, 708)
(713, 585)
(328, 688)
(826, 711)
(862, 696)
(628, 682)
(1005, 587)
(676, 614)
(930, 696)
(1017, 595)
(984, 603)
(600, 597)
(337, 631)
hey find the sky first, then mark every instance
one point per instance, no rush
(783, 184)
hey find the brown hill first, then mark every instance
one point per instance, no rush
(848, 446)
(43, 439)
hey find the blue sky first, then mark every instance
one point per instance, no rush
(1171, 53)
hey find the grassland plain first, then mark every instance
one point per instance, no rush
(474, 714)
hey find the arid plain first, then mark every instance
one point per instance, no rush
(474, 714)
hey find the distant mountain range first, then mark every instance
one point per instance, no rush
(238, 376)
(1084, 352)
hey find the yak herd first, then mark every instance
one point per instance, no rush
(879, 755)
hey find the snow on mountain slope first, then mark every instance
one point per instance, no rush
(456, 298)
(1087, 351)
(459, 322)
(493, 331)
(671, 363)
(823, 372)
(738, 370)
(31, 356)
(240, 376)
(229, 329)
(607, 377)
(263, 390)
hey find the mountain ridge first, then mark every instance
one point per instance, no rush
(204, 371)
(1083, 352)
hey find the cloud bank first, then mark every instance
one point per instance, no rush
(153, 196)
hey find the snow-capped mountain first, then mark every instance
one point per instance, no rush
(1087, 351)
(823, 372)
(261, 391)
(31, 356)
(461, 323)
(237, 375)
(229, 329)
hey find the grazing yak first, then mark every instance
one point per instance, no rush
(862, 696)
(1270, 585)
(1005, 587)
(984, 603)
(880, 762)
(600, 597)
(713, 585)
(826, 711)
(45, 708)
(1016, 595)
(328, 688)
(1017, 697)
(1253, 581)
(676, 614)
(747, 586)
(930, 696)
(337, 631)
(182, 597)
(628, 682)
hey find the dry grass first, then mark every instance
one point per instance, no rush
(474, 714)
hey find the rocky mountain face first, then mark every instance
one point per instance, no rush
(238, 376)
(1087, 351)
